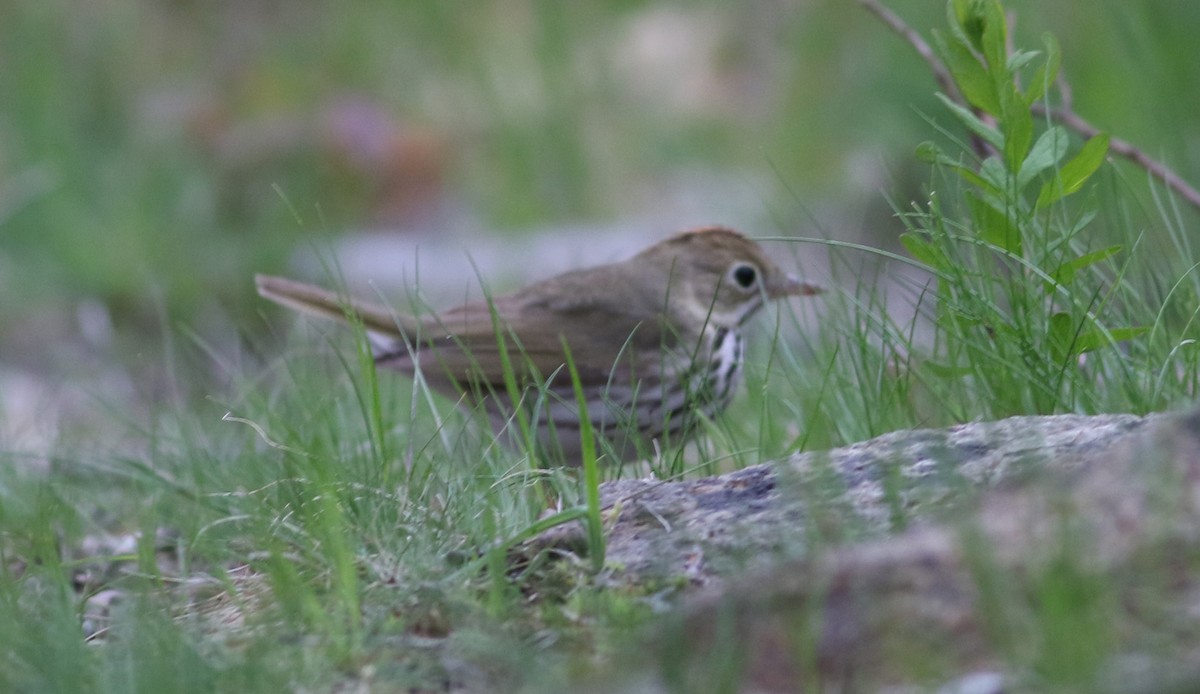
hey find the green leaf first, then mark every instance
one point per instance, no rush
(992, 169)
(1016, 122)
(975, 179)
(969, 74)
(1020, 59)
(957, 11)
(1049, 149)
(1060, 337)
(995, 39)
(1071, 177)
(1065, 274)
(930, 153)
(989, 134)
(945, 370)
(1065, 339)
(1091, 340)
(966, 17)
(924, 251)
(1047, 72)
(1077, 171)
(995, 225)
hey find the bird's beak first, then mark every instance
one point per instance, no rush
(793, 286)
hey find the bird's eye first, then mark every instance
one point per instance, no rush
(745, 276)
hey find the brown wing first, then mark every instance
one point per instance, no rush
(459, 350)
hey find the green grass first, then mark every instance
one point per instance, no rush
(301, 521)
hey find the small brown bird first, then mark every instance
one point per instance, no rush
(656, 341)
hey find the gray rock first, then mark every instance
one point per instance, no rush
(1100, 515)
(679, 533)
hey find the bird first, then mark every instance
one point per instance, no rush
(656, 341)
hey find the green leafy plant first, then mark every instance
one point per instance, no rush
(1021, 291)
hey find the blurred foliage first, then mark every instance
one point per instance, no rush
(155, 154)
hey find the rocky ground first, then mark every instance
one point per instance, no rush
(910, 556)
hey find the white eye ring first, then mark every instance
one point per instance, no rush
(744, 276)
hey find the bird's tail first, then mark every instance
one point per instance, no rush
(380, 321)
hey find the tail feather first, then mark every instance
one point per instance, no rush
(307, 298)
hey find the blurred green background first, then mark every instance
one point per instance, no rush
(154, 155)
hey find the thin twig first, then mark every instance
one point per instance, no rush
(1064, 115)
